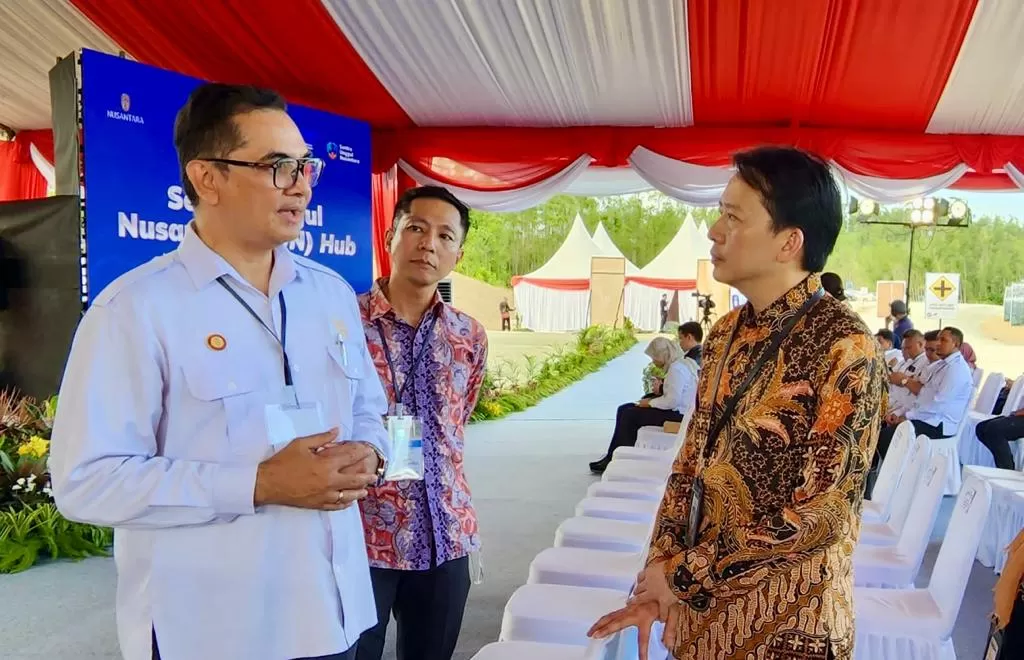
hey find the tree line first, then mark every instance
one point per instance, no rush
(989, 254)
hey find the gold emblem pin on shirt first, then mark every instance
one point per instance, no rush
(216, 342)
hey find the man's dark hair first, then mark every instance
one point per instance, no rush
(799, 192)
(693, 329)
(205, 126)
(886, 334)
(958, 334)
(931, 335)
(913, 333)
(404, 205)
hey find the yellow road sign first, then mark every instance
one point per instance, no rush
(943, 288)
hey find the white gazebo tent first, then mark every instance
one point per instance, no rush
(556, 296)
(673, 273)
(609, 249)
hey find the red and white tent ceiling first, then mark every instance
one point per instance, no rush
(493, 95)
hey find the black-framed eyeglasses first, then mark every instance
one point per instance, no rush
(285, 170)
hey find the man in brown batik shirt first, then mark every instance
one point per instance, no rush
(767, 573)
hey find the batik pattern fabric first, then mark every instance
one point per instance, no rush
(417, 525)
(771, 574)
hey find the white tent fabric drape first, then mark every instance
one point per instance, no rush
(599, 181)
(1015, 175)
(543, 309)
(894, 191)
(693, 184)
(518, 199)
(526, 63)
(44, 166)
(31, 33)
(985, 89)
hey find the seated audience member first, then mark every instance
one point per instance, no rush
(1004, 394)
(998, 433)
(906, 381)
(893, 355)
(690, 337)
(677, 398)
(833, 285)
(968, 352)
(931, 347)
(942, 402)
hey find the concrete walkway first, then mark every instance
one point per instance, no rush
(527, 471)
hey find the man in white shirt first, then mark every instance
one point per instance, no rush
(220, 410)
(907, 380)
(893, 355)
(943, 400)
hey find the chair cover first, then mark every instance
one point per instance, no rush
(948, 447)
(638, 471)
(896, 567)
(556, 613)
(602, 534)
(916, 624)
(992, 549)
(888, 533)
(970, 449)
(653, 437)
(531, 650)
(644, 454)
(627, 490)
(616, 508)
(583, 567)
(878, 508)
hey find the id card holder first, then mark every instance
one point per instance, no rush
(288, 419)
(696, 512)
(406, 461)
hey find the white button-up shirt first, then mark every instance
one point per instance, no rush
(944, 398)
(902, 399)
(160, 427)
(679, 390)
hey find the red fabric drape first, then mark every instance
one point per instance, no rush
(19, 177)
(560, 285)
(488, 177)
(844, 64)
(895, 155)
(295, 48)
(386, 188)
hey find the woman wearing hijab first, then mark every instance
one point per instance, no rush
(679, 392)
(833, 285)
(970, 356)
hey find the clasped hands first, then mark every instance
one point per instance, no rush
(652, 601)
(317, 472)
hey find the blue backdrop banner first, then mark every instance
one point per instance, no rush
(135, 207)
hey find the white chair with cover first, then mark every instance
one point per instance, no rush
(556, 613)
(896, 567)
(655, 437)
(992, 549)
(888, 533)
(649, 472)
(971, 451)
(603, 534)
(878, 508)
(644, 454)
(950, 448)
(532, 650)
(917, 624)
(585, 567)
(627, 490)
(617, 508)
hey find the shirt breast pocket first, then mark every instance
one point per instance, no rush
(228, 402)
(345, 373)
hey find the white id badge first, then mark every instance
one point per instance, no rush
(406, 462)
(285, 422)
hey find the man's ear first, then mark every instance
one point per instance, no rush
(793, 247)
(389, 238)
(203, 178)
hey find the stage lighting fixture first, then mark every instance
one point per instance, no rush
(916, 216)
(958, 210)
(928, 216)
(929, 203)
(867, 207)
(917, 204)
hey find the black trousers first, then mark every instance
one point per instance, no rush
(997, 433)
(630, 418)
(506, 324)
(885, 439)
(428, 607)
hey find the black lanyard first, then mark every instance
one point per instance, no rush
(284, 325)
(773, 348)
(415, 360)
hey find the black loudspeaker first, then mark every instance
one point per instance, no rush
(40, 291)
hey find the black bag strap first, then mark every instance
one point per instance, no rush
(773, 348)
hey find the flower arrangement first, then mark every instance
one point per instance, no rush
(31, 528)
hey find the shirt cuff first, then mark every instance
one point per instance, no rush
(235, 489)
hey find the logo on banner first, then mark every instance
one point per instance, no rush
(125, 115)
(332, 150)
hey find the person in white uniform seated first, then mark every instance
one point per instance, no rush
(679, 392)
